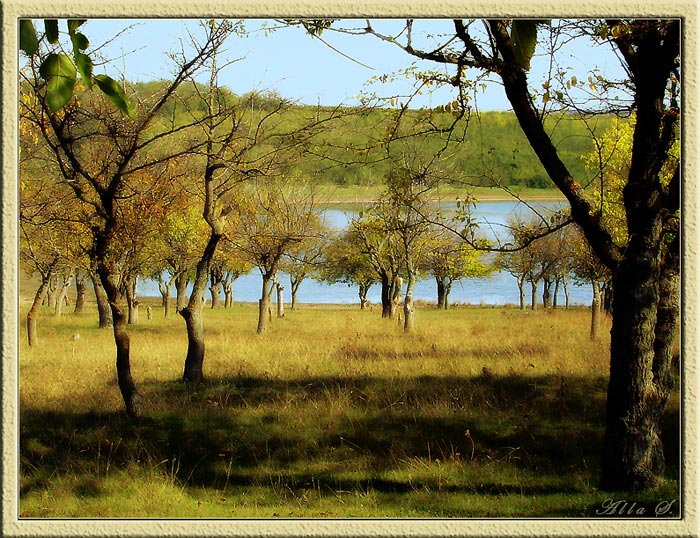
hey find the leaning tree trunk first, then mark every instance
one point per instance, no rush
(127, 387)
(362, 294)
(192, 314)
(448, 290)
(32, 337)
(104, 311)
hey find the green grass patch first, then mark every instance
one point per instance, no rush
(335, 412)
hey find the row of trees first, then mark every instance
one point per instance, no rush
(111, 178)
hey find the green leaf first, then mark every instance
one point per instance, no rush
(524, 38)
(80, 42)
(51, 29)
(85, 65)
(74, 24)
(27, 37)
(115, 93)
(60, 73)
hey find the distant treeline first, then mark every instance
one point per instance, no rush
(485, 148)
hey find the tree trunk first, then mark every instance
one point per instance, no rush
(32, 337)
(396, 285)
(556, 292)
(264, 304)
(567, 298)
(192, 314)
(215, 290)
(632, 452)
(127, 387)
(132, 302)
(166, 289)
(533, 284)
(228, 295)
(595, 310)
(440, 281)
(294, 283)
(280, 299)
(79, 292)
(181, 290)
(521, 292)
(104, 311)
(448, 290)
(61, 293)
(386, 296)
(362, 293)
(409, 311)
(546, 292)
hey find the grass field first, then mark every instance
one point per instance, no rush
(482, 412)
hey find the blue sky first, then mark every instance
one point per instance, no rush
(296, 65)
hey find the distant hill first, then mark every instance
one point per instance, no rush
(487, 147)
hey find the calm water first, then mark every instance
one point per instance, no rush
(500, 288)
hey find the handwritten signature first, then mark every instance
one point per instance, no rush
(612, 507)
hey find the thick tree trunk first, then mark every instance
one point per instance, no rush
(215, 290)
(264, 304)
(632, 452)
(79, 292)
(104, 311)
(181, 291)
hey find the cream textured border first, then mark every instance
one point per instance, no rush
(12, 9)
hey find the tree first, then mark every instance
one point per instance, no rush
(344, 260)
(99, 154)
(449, 260)
(304, 259)
(645, 271)
(275, 215)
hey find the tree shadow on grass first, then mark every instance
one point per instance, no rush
(343, 434)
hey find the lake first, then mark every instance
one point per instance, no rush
(498, 289)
